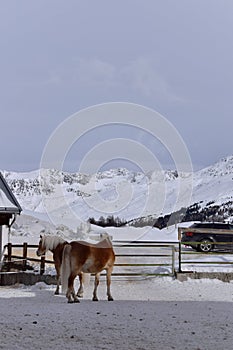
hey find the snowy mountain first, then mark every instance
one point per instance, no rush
(70, 198)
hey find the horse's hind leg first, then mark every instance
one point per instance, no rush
(76, 300)
(71, 296)
(97, 281)
(108, 279)
(80, 290)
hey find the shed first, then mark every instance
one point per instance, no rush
(9, 207)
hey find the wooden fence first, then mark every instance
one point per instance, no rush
(132, 258)
(12, 259)
(139, 258)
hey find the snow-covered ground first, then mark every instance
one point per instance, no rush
(153, 313)
(159, 313)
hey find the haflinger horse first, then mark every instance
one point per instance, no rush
(81, 256)
(56, 245)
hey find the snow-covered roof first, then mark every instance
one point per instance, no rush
(8, 202)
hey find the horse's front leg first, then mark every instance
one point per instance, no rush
(57, 289)
(80, 290)
(58, 278)
(108, 279)
(97, 281)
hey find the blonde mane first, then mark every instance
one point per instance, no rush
(51, 242)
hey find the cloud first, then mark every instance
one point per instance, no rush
(143, 75)
(140, 75)
(95, 73)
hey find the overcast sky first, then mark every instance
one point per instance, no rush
(57, 57)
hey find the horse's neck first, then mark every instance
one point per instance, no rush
(52, 242)
(106, 242)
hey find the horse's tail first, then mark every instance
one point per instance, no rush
(65, 267)
(86, 279)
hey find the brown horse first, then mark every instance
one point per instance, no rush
(89, 258)
(56, 245)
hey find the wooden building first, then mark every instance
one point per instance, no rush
(9, 208)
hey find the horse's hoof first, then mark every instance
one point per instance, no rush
(56, 293)
(110, 299)
(76, 301)
(70, 301)
(95, 299)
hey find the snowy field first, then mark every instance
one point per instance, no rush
(158, 313)
(155, 313)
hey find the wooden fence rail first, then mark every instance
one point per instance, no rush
(132, 259)
(10, 260)
(147, 258)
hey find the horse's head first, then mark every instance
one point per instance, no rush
(106, 237)
(48, 242)
(41, 250)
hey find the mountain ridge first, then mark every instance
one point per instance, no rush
(120, 192)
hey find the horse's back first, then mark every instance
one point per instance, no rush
(87, 246)
(92, 256)
(105, 243)
(80, 247)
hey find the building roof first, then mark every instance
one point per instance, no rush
(8, 202)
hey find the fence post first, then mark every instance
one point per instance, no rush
(173, 260)
(42, 265)
(9, 252)
(9, 255)
(180, 247)
(1, 247)
(180, 259)
(25, 247)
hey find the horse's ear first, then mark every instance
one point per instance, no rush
(40, 236)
